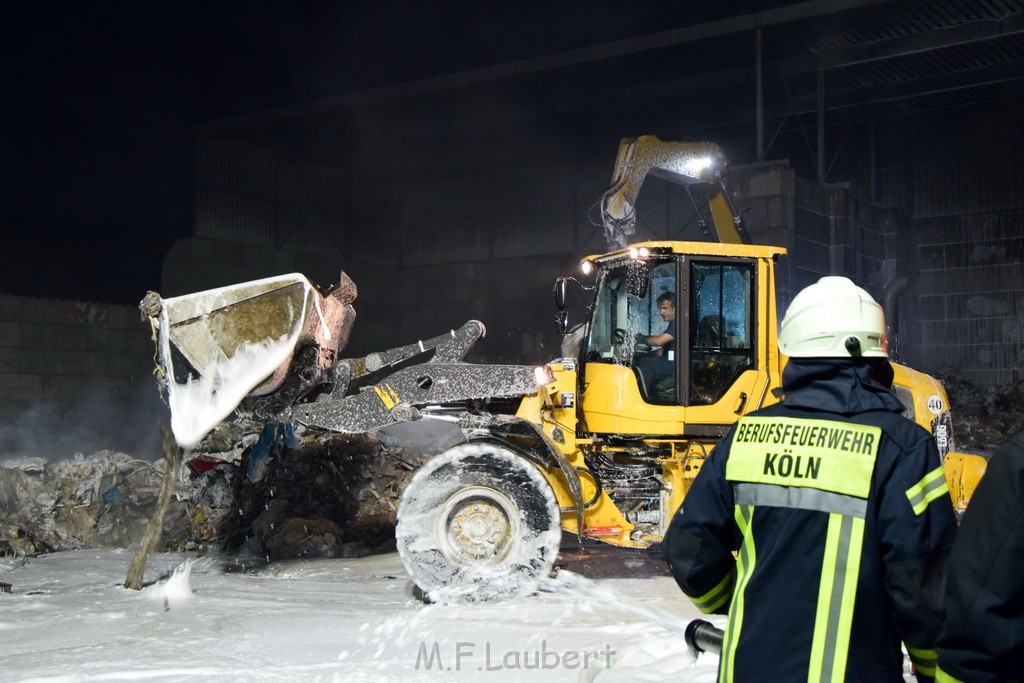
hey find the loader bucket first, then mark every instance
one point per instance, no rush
(219, 346)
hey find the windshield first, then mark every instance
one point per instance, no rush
(627, 304)
(635, 320)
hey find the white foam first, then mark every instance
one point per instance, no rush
(200, 404)
(176, 588)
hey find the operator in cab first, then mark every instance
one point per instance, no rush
(660, 365)
(822, 524)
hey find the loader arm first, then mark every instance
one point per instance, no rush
(447, 348)
(388, 387)
(694, 165)
(420, 391)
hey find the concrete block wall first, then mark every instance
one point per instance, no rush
(512, 297)
(194, 264)
(765, 194)
(964, 209)
(972, 295)
(76, 376)
(827, 232)
(474, 248)
(837, 235)
(822, 238)
(505, 214)
(489, 247)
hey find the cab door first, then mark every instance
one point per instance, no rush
(709, 371)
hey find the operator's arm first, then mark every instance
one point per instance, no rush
(699, 543)
(983, 638)
(663, 338)
(916, 527)
(659, 339)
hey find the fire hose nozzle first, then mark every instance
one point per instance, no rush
(702, 636)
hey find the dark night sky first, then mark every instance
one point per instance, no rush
(100, 98)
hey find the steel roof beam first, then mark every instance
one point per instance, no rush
(918, 87)
(926, 41)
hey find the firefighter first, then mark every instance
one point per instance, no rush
(983, 638)
(822, 524)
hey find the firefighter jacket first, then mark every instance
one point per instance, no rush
(822, 526)
(983, 638)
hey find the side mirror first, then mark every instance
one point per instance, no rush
(561, 316)
(560, 294)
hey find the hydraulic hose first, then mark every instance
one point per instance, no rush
(702, 636)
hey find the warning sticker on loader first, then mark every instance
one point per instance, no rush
(387, 396)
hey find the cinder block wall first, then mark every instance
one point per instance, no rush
(828, 232)
(429, 255)
(512, 297)
(489, 247)
(194, 264)
(76, 377)
(766, 194)
(972, 295)
(959, 186)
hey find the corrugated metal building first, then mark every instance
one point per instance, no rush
(877, 139)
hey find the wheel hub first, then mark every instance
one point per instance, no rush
(478, 524)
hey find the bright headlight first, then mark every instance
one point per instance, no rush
(694, 167)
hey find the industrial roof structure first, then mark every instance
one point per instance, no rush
(771, 78)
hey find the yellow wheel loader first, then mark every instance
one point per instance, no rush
(603, 442)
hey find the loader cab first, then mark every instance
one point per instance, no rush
(713, 351)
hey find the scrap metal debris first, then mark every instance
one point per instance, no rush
(325, 496)
(984, 416)
(82, 502)
(334, 496)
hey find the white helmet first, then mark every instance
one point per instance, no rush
(833, 318)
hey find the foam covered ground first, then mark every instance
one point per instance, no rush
(69, 619)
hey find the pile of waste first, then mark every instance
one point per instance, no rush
(102, 500)
(269, 498)
(323, 496)
(983, 416)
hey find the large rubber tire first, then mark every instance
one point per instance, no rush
(478, 522)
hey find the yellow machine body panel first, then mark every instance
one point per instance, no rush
(612, 404)
(963, 473)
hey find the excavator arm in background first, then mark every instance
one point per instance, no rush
(684, 163)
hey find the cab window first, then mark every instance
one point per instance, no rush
(630, 306)
(721, 327)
